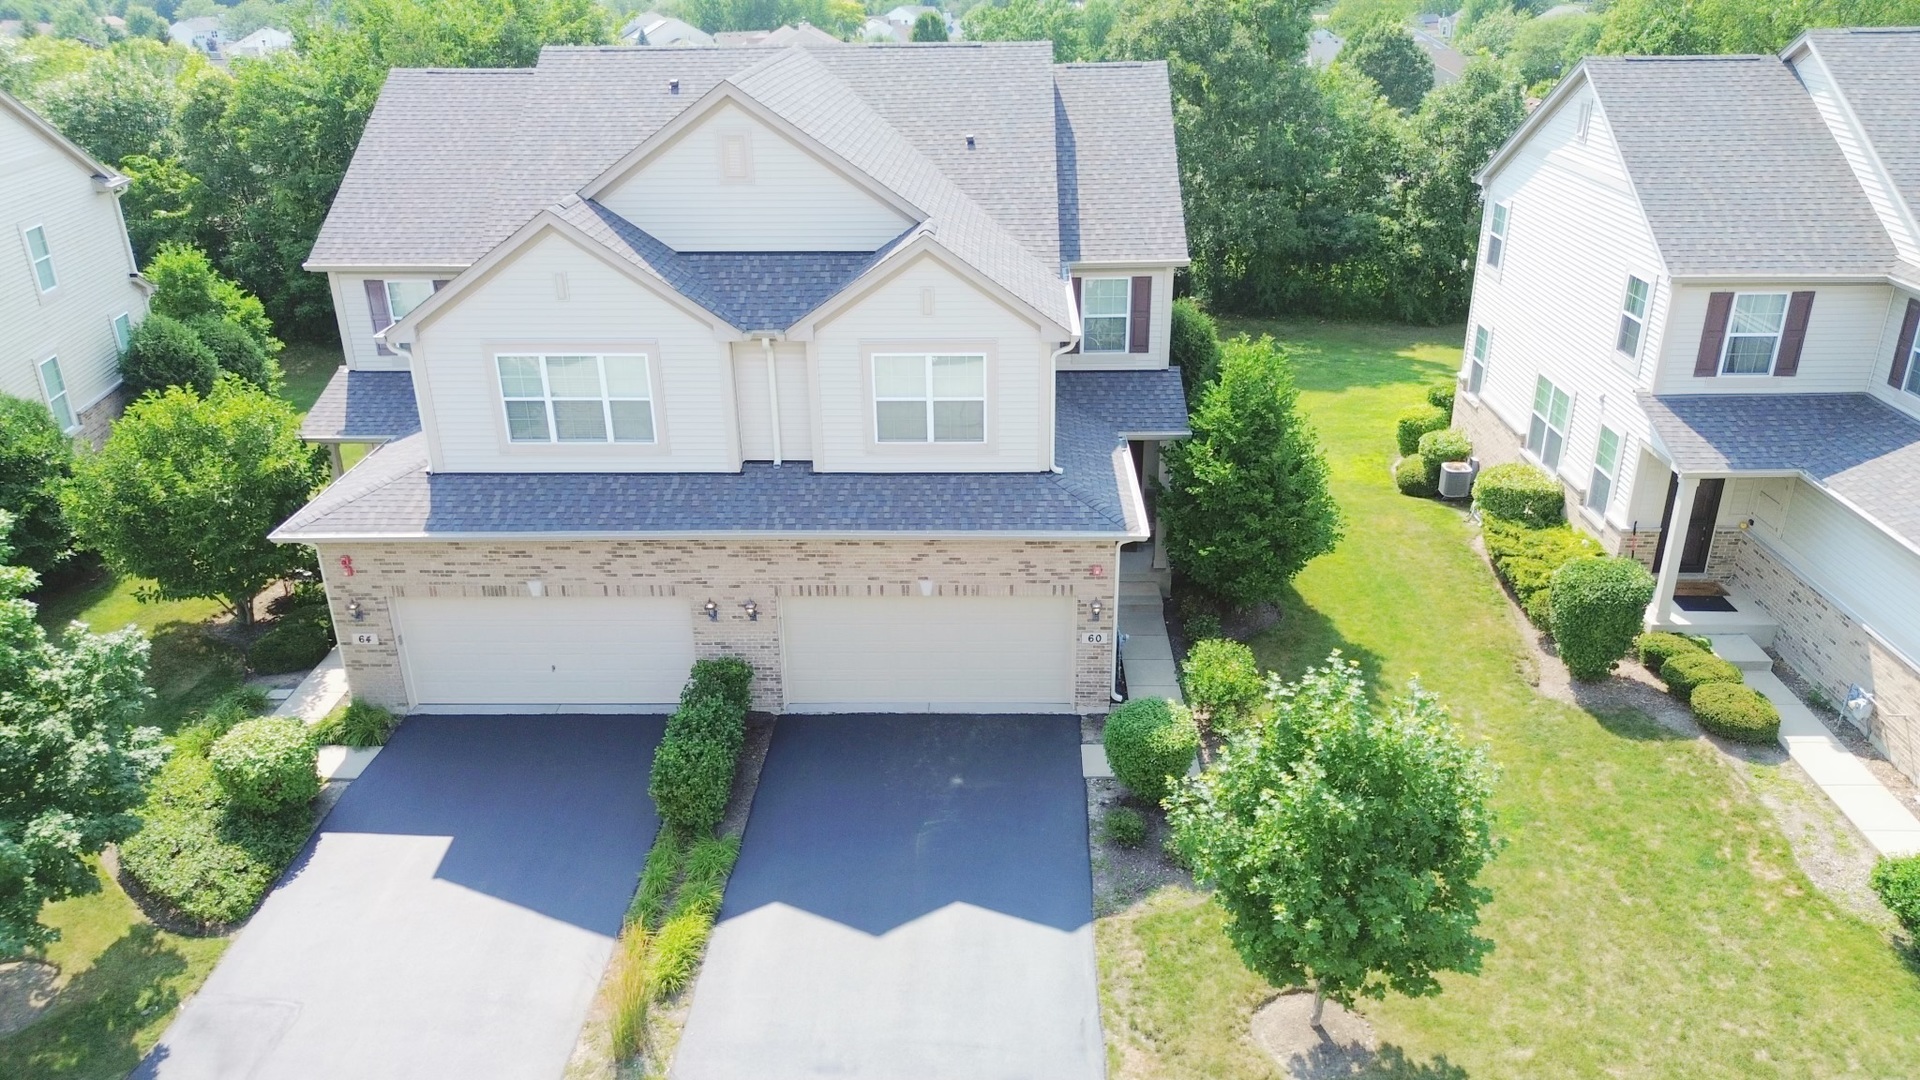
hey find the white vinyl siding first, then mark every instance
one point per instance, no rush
(55, 386)
(1107, 304)
(929, 398)
(1633, 318)
(1547, 429)
(590, 399)
(1849, 341)
(550, 650)
(937, 653)
(1159, 322)
(754, 406)
(1606, 466)
(1497, 223)
(40, 257)
(1879, 188)
(1477, 359)
(1753, 333)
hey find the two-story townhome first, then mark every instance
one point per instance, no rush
(846, 360)
(1696, 303)
(70, 293)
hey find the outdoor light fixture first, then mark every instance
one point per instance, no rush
(926, 586)
(713, 611)
(353, 610)
(1097, 609)
(536, 588)
(753, 611)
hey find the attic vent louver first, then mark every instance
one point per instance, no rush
(969, 142)
(673, 86)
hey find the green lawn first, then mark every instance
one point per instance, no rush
(1648, 916)
(306, 368)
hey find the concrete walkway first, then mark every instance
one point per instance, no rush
(1886, 822)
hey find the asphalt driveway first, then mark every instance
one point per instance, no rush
(913, 899)
(452, 917)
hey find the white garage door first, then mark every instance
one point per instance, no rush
(544, 650)
(939, 654)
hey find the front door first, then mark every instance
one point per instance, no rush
(1699, 539)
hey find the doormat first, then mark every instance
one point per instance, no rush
(1703, 603)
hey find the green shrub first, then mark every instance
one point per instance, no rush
(1197, 620)
(1194, 347)
(36, 458)
(1736, 712)
(1657, 647)
(1441, 397)
(237, 352)
(1520, 492)
(266, 765)
(1415, 422)
(1897, 879)
(727, 676)
(203, 857)
(1525, 558)
(1150, 743)
(657, 877)
(1687, 671)
(299, 642)
(694, 764)
(1597, 606)
(356, 723)
(166, 352)
(1439, 447)
(1222, 682)
(188, 288)
(1410, 476)
(197, 734)
(1125, 826)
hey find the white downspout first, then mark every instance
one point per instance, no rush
(773, 393)
(1053, 400)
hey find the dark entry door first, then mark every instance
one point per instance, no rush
(1699, 539)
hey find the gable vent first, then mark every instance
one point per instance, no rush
(970, 144)
(736, 159)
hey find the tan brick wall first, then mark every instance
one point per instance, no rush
(1496, 444)
(729, 573)
(96, 422)
(1828, 647)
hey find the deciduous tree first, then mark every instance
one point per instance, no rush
(1386, 53)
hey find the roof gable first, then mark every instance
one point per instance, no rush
(38, 125)
(1874, 70)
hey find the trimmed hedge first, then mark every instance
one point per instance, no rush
(1193, 346)
(1688, 671)
(1597, 606)
(1897, 880)
(694, 765)
(1410, 476)
(356, 723)
(726, 677)
(1222, 680)
(1150, 744)
(1416, 422)
(1736, 712)
(1441, 397)
(1439, 447)
(1520, 492)
(202, 856)
(299, 642)
(1657, 647)
(1526, 558)
(266, 765)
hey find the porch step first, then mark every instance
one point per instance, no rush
(1147, 588)
(1741, 651)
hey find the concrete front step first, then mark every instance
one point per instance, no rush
(1741, 651)
(1136, 587)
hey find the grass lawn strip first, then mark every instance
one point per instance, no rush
(1649, 917)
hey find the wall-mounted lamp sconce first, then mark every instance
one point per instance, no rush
(354, 611)
(1097, 607)
(713, 611)
(926, 586)
(536, 588)
(753, 611)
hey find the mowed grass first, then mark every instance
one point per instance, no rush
(1648, 917)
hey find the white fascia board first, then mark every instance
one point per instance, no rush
(279, 537)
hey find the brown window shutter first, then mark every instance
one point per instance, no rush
(1794, 336)
(1706, 364)
(1076, 310)
(439, 283)
(1903, 348)
(1141, 314)
(377, 302)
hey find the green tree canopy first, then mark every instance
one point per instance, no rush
(929, 27)
(1344, 841)
(36, 457)
(1386, 53)
(1246, 505)
(187, 488)
(188, 288)
(73, 762)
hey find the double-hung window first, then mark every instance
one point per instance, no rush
(1547, 431)
(1497, 235)
(122, 331)
(1633, 317)
(55, 385)
(1753, 333)
(1913, 367)
(1477, 359)
(921, 398)
(577, 399)
(1108, 303)
(1606, 465)
(42, 258)
(405, 294)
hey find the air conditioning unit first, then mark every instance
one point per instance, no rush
(1456, 479)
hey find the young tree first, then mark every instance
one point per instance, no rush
(1246, 505)
(1194, 347)
(188, 288)
(73, 763)
(1344, 842)
(166, 352)
(187, 488)
(36, 457)
(929, 27)
(1384, 52)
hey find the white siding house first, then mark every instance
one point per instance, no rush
(69, 290)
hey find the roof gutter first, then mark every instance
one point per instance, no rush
(279, 536)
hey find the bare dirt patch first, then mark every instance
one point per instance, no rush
(1122, 876)
(1343, 1044)
(26, 992)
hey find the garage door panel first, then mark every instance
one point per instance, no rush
(953, 653)
(545, 650)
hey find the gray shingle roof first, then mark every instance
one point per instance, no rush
(1875, 69)
(391, 493)
(452, 162)
(363, 406)
(1736, 170)
(1119, 188)
(1136, 404)
(1862, 450)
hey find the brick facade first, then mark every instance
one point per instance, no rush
(729, 573)
(1494, 443)
(96, 421)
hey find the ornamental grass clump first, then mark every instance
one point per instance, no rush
(1150, 743)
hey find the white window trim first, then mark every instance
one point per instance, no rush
(1911, 384)
(1612, 474)
(1125, 316)
(547, 399)
(65, 394)
(115, 323)
(393, 313)
(33, 264)
(1499, 224)
(1773, 357)
(1585, 121)
(1640, 320)
(1480, 357)
(873, 393)
(1546, 424)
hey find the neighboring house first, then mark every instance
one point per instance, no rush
(1697, 298)
(653, 28)
(262, 42)
(847, 361)
(70, 295)
(802, 34)
(1323, 47)
(897, 25)
(1448, 62)
(1440, 26)
(202, 33)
